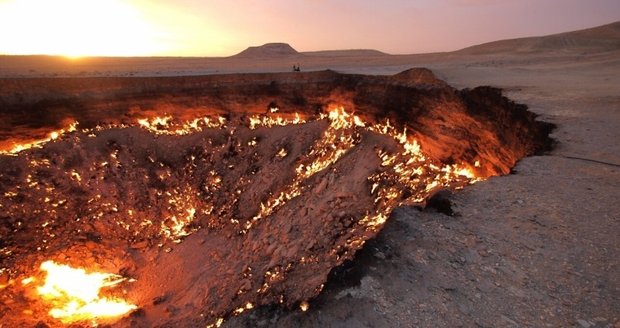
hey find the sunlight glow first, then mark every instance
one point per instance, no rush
(75, 28)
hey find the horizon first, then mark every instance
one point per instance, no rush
(70, 57)
(141, 28)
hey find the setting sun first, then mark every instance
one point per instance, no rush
(76, 28)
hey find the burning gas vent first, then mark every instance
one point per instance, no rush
(184, 216)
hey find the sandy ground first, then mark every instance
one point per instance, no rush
(537, 248)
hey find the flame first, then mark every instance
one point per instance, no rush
(177, 228)
(408, 169)
(217, 323)
(406, 176)
(333, 144)
(54, 135)
(74, 294)
(339, 137)
(168, 125)
(271, 120)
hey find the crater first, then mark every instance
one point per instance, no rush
(212, 195)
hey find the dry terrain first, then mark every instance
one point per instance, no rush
(536, 248)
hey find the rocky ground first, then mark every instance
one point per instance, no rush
(271, 209)
(536, 248)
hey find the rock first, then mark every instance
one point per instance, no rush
(246, 285)
(140, 245)
(171, 310)
(583, 323)
(160, 299)
(41, 324)
(510, 321)
(440, 201)
(471, 256)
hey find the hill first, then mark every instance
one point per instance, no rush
(598, 39)
(268, 50)
(346, 53)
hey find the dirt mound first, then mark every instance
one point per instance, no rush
(418, 77)
(268, 50)
(222, 193)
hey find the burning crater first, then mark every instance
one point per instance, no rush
(182, 201)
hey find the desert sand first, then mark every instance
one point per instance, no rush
(538, 247)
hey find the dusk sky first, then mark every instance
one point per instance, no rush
(224, 27)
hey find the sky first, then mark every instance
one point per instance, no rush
(224, 27)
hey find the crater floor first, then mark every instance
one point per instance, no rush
(218, 194)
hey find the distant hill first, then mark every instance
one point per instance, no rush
(346, 53)
(598, 39)
(268, 50)
(274, 50)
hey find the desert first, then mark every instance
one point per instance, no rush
(533, 243)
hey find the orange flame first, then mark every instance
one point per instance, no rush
(408, 168)
(74, 294)
(54, 135)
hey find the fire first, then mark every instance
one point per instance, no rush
(168, 125)
(74, 294)
(336, 141)
(407, 169)
(406, 176)
(271, 120)
(54, 135)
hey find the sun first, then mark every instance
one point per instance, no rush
(75, 28)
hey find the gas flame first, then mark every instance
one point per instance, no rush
(74, 294)
(408, 169)
(274, 120)
(16, 148)
(167, 125)
(407, 177)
